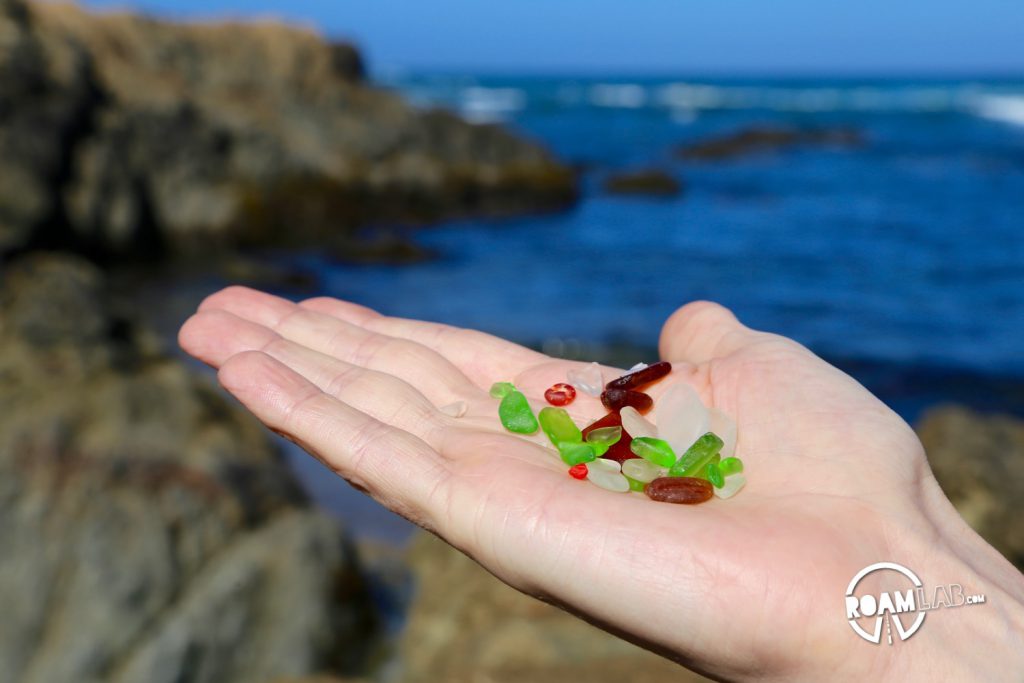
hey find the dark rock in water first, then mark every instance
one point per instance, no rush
(465, 625)
(760, 139)
(149, 530)
(979, 462)
(126, 137)
(648, 182)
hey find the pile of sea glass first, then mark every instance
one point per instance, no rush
(686, 458)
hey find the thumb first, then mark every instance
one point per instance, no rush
(702, 330)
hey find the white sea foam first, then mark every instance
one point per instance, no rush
(486, 105)
(620, 95)
(1005, 108)
(694, 97)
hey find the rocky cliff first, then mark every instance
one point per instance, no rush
(125, 136)
(149, 530)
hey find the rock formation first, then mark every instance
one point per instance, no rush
(760, 139)
(126, 136)
(653, 182)
(979, 462)
(149, 530)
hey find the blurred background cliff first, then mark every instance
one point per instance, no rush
(563, 175)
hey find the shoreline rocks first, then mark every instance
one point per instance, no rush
(979, 462)
(126, 137)
(150, 531)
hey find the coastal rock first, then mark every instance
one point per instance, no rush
(655, 182)
(466, 626)
(760, 139)
(124, 136)
(979, 462)
(150, 532)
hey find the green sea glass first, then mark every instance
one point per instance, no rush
(558, 425)
(654, 450)
(692, 463)
(575, 452)
(516, 414)
(730, 466)
(502, 389)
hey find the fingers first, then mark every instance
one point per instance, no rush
(482, 357)
(214, 336)
(702, 330)
(418, 365)
(395, 467)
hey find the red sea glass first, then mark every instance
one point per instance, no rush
(560, 394)
(578, 471)
(612, 419)
(642, 377)
(617, 399)
(619, 452)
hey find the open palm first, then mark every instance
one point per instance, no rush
(731, 587)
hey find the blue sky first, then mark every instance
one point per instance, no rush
(732, 36)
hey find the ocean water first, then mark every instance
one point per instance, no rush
(902, 259)
(908, 249)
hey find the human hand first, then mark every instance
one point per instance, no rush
(746, 588)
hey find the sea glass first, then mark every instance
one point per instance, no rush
(730, 466)
(616, 399)
(713, 474)
(587, 378)
(692, 462)
(516, 414)
(731, 487)
(574, 452)
(681, 490)
(612, 419)
(681, 417)
(502, 389)
(560, 394)
(635, 424)
(611, 481)
(578, 471)
(608, 465)
(656, 451)
(642, 470)
(558, 425)
(456, 409)
(641, 377)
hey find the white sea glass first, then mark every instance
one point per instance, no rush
(733, 483)
(642, 470)
(457, 409)
(636, 425)
(604, 464)
(611, 481)
(587, 378)
(681, 417)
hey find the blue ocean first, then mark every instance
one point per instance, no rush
(900, 259)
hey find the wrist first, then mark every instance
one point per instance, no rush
(964, 639)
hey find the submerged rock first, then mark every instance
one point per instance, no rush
(760, 139)
(126, 136)
(150, 532)
(647, 182)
